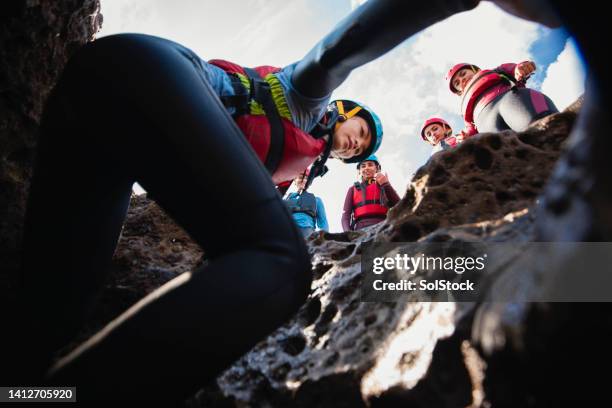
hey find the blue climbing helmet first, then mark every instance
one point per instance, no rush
(341, 110)
(344, 109)
(371, 158)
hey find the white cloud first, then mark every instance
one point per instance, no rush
(245, 31)
(356, 3)
(565, 78)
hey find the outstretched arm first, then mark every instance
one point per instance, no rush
(392, 196)
(364, 35)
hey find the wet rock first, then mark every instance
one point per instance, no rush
(36, 39)
(485, 178)
(417, 354)
(338, 351)
(152, 250)
(548, 350)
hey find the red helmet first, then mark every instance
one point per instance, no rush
(458, 67)
(431, 121)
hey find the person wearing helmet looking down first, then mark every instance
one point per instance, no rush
(167, 119)
(368, 201)
(493, 100)
(438, 133)
(307, 210)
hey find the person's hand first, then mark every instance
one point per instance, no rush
(381, 178)
(524, 70)
(462, 136)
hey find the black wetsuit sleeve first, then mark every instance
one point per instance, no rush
(364, 35)
(347, 210)
(392, 196)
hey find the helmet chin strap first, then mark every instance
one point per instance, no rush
(319, 168)
(474, 71)
(448, 131)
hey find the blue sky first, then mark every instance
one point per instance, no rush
(404, 87)
(545, 51)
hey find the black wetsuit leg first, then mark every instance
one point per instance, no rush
(515, 109)
(136, 108)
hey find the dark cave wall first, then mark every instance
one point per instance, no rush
(36, 39)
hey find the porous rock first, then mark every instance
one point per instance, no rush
(339, 351)
(36, 40)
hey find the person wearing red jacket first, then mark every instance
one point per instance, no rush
(368, 201)
(493, 100)
(439, 133)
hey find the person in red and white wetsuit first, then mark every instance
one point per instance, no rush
(497, 99)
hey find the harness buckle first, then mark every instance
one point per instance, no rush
(241, 98)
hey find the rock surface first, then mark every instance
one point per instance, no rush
(36, 39)
(338, 351)
(485, 178)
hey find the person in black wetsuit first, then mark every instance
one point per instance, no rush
(138, 108)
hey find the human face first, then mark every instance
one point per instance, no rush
(351, 138)
(434, 133)
(367, 170)
(462, 78)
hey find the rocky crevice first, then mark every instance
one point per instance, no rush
(338, 351)
(421, 354)
(36, 40)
